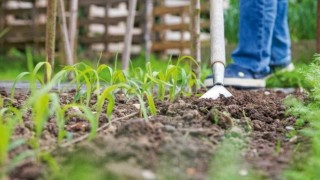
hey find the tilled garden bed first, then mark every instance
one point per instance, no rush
(178, 143)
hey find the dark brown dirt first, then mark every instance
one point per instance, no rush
(179, 142)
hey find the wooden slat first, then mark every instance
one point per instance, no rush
(25, 28)
(111, 20)
(25, 11)
(173, 27)
(25, 39)
(25, 34)
(100, 2)
(177, 27)
(158, 11)
(162, 46)
(27, 0)
(137, 39)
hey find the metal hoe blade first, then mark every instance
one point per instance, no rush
(218, 89)
(215, 92)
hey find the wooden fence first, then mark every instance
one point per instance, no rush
(172, 31)
(25, 22)
(101, 25)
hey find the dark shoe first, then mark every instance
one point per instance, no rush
(239, 77)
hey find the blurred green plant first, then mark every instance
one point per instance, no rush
(9, 118)
(307, 112)
(302, 16)
(232, 21)
(290, 79)
(228, 163)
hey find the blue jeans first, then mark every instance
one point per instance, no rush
(264, 38)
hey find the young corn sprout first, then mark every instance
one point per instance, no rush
(44, 99)
(1, 101)
(139, 93)
(84, 74)
(33, 77)
(108, 93)
(9, 118)
(175, 78)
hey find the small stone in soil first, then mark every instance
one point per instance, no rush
(169, 128)
(267, 93)
(80, 126)
(148, 175)
(243, 172)
(137, 106)
(289, 128)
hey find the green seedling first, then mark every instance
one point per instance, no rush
(15, 161)
(215, 118)
(9, 117)
(108, 94)
(20, 158)
(248, 127)
(105, 73)
(152, 106)
(40, 115)
(179, 78)
(84, 74)
(278, 147)
(136, 91)
(1, 101)
(144, 85)
(33, 77)
(57, 111)
(110, 76)
(160, 82)
(51, 162)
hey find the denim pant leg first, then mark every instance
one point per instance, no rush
(257, 19)
(280, 48)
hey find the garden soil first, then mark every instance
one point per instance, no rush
(178, 143)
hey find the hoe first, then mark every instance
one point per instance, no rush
(218, 56)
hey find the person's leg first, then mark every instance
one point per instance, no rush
(280, 50)
(253, 55)
(257, 20)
